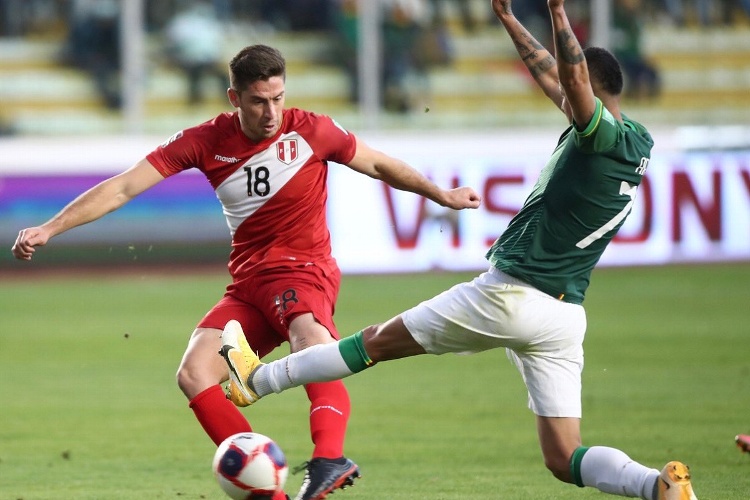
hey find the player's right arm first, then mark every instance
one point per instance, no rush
(572, 67)
(538, 60)
(105, 197)
(398, 174)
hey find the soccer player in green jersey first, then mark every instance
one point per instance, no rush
(530, 300)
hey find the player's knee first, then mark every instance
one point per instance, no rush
(192, 380)
(185, 380)
(390, 340)
(373, 343)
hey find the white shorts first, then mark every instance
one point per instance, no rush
(543, 336)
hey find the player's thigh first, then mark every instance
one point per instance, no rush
(290, 299)
(485, 313)
(552, 362)
(306, 331)
(553, 382)
(261, 337)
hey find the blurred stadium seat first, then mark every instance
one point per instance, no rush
(705, 73)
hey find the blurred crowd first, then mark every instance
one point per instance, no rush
(416, 35)
(28, 17)
(24, 17)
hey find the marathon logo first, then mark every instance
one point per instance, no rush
(227, 159)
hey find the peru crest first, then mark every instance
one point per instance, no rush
(286, 151)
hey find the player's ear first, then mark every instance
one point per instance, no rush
(234, 97)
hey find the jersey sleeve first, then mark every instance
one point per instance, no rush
(178, 153)
(333, 142)
(601, 134)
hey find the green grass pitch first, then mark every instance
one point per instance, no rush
(89, 408)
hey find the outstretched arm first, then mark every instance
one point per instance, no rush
(105, 197)
(537, 59)
(401, 176)
(571, 67)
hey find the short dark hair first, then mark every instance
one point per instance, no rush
(255, 63)
(604, 70)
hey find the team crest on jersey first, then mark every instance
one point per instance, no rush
(286, 151)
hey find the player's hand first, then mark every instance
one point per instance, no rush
(501, 8)
(553, 4)
(462, 197)
(27, 240)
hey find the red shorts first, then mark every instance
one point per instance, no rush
(266, 305)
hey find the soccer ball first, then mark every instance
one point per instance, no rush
(249, 464)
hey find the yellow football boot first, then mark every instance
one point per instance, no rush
(241, 361)
(674, 482)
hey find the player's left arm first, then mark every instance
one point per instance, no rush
(571, 67)
(105, 197)
(534, 55)
(400, 175)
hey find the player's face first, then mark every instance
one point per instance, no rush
(260, 107)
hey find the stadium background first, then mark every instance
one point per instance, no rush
(474, 118)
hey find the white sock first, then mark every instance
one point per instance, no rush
(318, 363)
(612, 471)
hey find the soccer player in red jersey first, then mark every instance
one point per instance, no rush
(268, 166)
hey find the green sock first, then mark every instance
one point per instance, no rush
(575, 465)
(352, 349)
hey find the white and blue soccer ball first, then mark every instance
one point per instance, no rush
(248, 465)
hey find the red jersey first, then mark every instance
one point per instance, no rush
(273, 193)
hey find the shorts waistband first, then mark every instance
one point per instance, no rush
(507, 278)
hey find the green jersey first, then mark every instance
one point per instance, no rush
(580, 200)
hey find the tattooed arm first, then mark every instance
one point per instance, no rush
(537, 59)
(571, 67)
